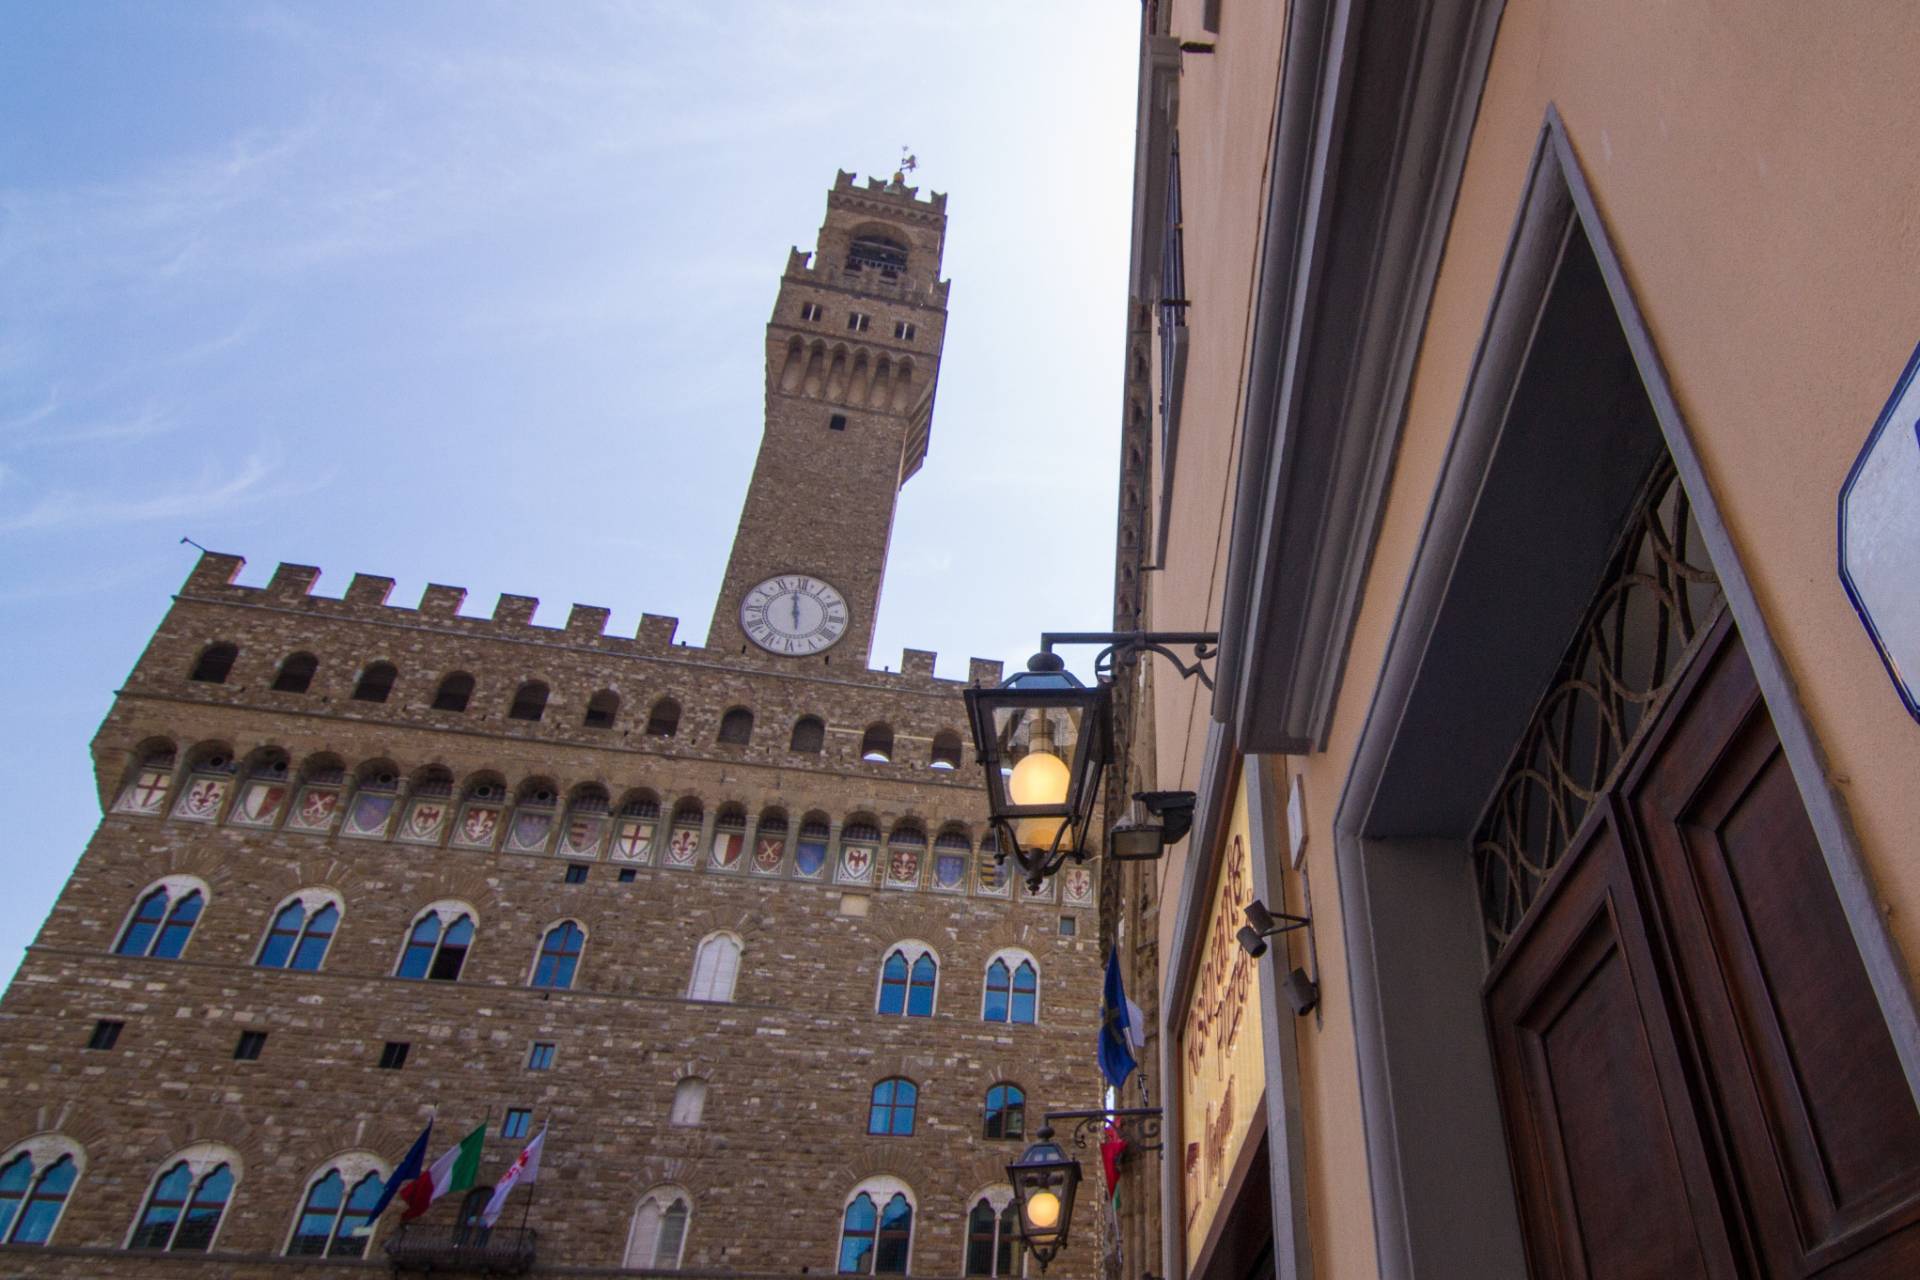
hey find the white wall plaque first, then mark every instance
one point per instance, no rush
(1880, 535)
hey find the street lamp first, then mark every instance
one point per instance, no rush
(1042, 738)
(1044, 1181)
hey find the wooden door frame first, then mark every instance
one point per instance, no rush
(1451, 698)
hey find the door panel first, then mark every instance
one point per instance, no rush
(1608, 1165)
(1821, 1127)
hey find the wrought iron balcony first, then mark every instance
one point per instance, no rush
(500, 1251)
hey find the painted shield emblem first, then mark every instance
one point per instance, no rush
(856, 861)
(809, 856)
(767, 852)
(683, 847)
(903, 867)
(632, 841)
(316, 809)
(991, 875)
(424, 819)
(950, 870)
(583, 836)
(529, 832)
(260, 802)
(369, 815)
(726, 848)
(202, 800)
(478, 825)
(1077, 884)
(147, 794)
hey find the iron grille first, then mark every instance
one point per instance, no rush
(1659, 594)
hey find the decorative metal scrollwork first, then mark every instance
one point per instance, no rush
(1125, 648)
(1658, 596)
(1139, 1126)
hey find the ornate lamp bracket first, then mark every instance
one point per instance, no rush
(1125, 647)
(1139, 1126)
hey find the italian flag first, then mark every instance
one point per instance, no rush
(454, 1171)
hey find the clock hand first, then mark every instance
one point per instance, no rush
(796, 611)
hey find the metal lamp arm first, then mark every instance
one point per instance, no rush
(1127, 646)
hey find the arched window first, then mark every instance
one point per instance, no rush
(890, 1113)
(602, 708)
(300, 934)
(163, 921)
(437, 944)
(879, 252)
(809, 736)
(332, 1215)
(214, 663)
(715, 966)
(1013, 989)
(689, 1102)
(876, 744)
(1006, 1111)
(455, 691)
(946, 750)
(736, 727)
(876, 1230)
(909, 977)
(296, 673)
(559, 956)
(993, 1235)
(184, 1209)
(34, 1185)
(529, 701)
(659, 1232)
(375, 683)
(664, 720)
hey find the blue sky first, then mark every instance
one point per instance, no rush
(476, 294)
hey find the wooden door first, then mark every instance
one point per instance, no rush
(1695, 1075)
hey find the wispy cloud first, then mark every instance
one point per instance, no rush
(213, 492)
(139, 424)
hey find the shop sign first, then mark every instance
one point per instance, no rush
(1222, 1073)
(1880, 535)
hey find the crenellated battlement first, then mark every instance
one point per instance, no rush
(803, 269)
(367, 599)
(895, 191)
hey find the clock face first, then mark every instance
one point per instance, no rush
(794, 614)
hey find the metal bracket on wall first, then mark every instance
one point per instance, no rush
(1139, 1126)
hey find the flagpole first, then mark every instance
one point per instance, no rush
(534, 1190)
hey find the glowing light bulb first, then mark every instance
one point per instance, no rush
(1040, 778)
(1043, 1210)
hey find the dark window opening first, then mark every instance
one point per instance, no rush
(529, 702)
(903, 330)
(736, 727)
(394, 1056)
(376, 683)
(518, 1122)
(858, 321)
(664, 720)
(887, 256)
(809, 735)
(296, 673)
(838, 422)
(251, 1043)
(602, 707)
(1068, 926)
(106, 1033)
(540, 1057)
(877, 744)
(628, 875)
(216, 660)
(577, 873)
(946, 750)
(454, 692)
(810, 311)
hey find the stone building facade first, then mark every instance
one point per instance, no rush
(360, 863)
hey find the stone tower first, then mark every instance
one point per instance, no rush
(853, 356)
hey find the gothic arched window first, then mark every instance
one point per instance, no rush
(876, 1230)
(183, 1211)
(162, 923)
(300, 933)
(437, 945)
(1013, 989)
(993, 1235)
(659, 1232)
(559, 956)
(909, 979)
(891, 1110)
(716, 965)
(34, 1186)
(331, 1216)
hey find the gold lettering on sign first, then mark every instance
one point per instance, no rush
(1222, 1067)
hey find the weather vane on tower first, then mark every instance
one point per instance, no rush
(908, 163)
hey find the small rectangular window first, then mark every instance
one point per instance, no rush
(1068, 926)
(105, 1033)
(394, 1056)
(627, 875)
(540, 1058)
(251, 1043)
(518, 1122)
(858, 321)
(577, 873)
(903, 330)
(810, 311)
(838, 422)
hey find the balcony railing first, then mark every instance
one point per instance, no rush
(501, 1251)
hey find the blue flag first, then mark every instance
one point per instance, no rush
(1116, 1027)
(404, 1172)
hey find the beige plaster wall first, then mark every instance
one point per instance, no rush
(1756, 169)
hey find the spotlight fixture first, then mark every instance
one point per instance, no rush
(1263, 924)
